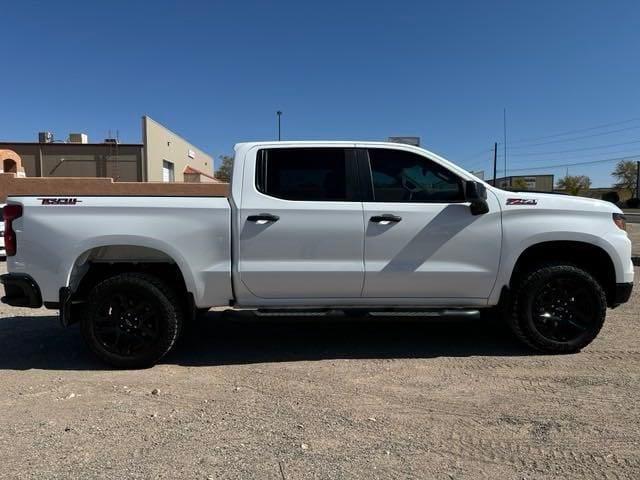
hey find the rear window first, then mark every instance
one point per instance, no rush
(311, 174)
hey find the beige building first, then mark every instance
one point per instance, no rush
(167, 155)
(163, 156)
(540, 183)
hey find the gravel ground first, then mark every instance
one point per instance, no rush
(326, 398)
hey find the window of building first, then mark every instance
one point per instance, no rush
(168, 172)
(400, 176)
(312, 174)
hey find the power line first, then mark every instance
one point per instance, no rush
(596, 147)
(581, 157)
(569, 132)
(475, 155)
(576, 138)
(592, 162)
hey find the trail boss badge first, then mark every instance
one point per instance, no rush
(60, 201)
(522, 201)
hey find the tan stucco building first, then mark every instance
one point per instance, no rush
(167, 154)
(163, 156)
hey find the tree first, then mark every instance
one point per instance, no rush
(224, 172)
(625, 172)
(519, 184)
(574, 184)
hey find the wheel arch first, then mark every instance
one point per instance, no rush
(127, 250)
(591, 257)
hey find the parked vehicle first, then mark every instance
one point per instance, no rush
(372, 227)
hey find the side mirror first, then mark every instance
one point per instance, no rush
(476, 194)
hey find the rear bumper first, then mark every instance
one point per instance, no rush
(21, 290)
(622, 293)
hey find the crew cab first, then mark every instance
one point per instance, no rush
(319, 226)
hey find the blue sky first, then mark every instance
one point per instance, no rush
(216, 72)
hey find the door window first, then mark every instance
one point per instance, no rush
(311, 174)
(400, 176)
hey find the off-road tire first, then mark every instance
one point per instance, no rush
(151, 290)
(519, 309)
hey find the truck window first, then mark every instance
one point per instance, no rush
(400, 176)
(312, 174)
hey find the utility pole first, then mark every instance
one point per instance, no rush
(504, 131)
(279, 114)
(495, 162)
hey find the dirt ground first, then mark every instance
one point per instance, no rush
(324, 398)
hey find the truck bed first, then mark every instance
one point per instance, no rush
(59, 236)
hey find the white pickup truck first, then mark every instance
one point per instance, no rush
(320, 226)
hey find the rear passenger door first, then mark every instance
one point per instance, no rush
(422, 241)
(301, 226)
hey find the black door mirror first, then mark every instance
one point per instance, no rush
(476, 194)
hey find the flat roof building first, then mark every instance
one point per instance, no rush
(540, 183)
(163, 156)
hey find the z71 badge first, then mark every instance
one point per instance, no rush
(522, 201)
(60, 201)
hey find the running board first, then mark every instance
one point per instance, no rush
(293, 313)
(453, 313)
(391, 312)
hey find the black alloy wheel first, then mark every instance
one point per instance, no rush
(131, 320)
(564, 309)
(557, 308)
(127, 324)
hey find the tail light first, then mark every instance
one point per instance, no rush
(10, 213)
(620, 220)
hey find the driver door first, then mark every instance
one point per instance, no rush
(421, 239)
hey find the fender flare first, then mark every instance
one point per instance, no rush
(132, 240)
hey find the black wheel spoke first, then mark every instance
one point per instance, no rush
(579, 326)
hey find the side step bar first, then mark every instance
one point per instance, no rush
(388, 312)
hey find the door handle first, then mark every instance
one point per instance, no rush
(263, 218)
(385, 219)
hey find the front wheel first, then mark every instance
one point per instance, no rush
(557, 308)
(131, 320)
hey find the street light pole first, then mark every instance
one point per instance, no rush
(279, 114)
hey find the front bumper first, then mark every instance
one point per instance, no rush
(622, 293)
(20, 290)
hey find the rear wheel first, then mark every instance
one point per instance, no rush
(131, 320)
(557, 308)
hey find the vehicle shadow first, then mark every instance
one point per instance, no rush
(242, 338)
